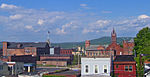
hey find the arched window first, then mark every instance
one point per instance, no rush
(86, 69)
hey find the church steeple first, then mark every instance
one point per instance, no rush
(113, 36)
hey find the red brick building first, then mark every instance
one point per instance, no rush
(113, 48)
(124, 66)
(66, 51)
(25, 48)
(127, 46)
(58, 60)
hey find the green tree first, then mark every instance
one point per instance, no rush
(142, 46)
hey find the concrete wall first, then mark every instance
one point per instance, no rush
(91, 62)
(4, 69)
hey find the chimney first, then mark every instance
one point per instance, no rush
(4, 48)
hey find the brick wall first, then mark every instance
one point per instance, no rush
(57, 63)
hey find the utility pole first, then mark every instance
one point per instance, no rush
(78, 60)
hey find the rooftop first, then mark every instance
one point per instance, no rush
(26, 44)
(124, 58)
(94, 47)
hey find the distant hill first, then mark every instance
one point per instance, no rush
(99, 41)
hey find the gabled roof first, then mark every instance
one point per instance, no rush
(124, 58)
(27, 44)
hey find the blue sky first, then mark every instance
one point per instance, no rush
(71, 20)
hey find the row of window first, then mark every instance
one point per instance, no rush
(127, 68)
(96, 54)
(96, 69)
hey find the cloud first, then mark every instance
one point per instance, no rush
(6, 6)
(17, 16)
(29, 27)
(54, 19)
(106, 11)
(77, 24)
(60, 31)
(83, 5)
(85, 31)
(143, 16)
(40, 22)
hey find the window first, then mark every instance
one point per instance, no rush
(96, 54)
(126, 68)
(86, 69)
(105, 68)
(1, 67)
(116, 66)
(99, 53)
(96, 69)
(130, 68)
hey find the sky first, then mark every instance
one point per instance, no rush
(71, 20)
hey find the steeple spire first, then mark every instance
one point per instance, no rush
(113, 36)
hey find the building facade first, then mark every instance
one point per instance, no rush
(54, 50)
(67, 51)
(57, 60)
(112, 49)
(101, 66)
(3, 68)
(25, 48)
(124, 66)
(15, 68)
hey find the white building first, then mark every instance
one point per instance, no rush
(100, 66)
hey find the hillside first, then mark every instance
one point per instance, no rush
(99, 41)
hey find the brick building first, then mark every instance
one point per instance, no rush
(25, 48)
(112, 49)
(67, 51)
(127, 46)
(124, 66)
(98, 50)
(58, 60)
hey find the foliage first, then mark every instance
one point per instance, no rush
(41, 65)
(142, 46)
(52, 76)
(75, 60)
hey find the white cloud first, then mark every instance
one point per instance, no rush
(6, 6)
(83, 5)
(102, 23)
(143, 16)
(60, 31)
(85, 31)
(40, 22)
(106, 11)
(52, 20)
(68, 23)
(29, 27)
(17, 16)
